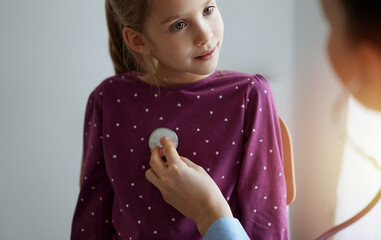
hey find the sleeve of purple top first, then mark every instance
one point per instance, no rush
(261, 185)
(92, 217)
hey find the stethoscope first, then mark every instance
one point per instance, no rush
(352, 220)
(154, 140)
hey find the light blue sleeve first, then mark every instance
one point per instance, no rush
(226, 228)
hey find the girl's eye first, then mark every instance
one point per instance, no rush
(208, 10)
(178, 26)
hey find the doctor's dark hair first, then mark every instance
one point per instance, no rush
(121, 14)
(364, 20)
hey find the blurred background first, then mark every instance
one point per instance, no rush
(54, 53)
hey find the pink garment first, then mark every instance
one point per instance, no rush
(227, 123)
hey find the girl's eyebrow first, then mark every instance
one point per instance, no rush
(170, 19)
(207, 2)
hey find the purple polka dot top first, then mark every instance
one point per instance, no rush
(227, 123)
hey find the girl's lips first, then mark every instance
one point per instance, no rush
(207, 55)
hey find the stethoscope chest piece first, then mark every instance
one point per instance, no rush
(154, 138)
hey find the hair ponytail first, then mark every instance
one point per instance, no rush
(115, 41)
(119, 14)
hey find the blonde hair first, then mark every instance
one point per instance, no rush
(121, 14)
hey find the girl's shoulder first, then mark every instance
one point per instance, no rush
(251, 81)
(119, 79)
(115, 85)
(120, 82)
(239, 76)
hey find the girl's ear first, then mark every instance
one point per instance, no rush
(135, 41)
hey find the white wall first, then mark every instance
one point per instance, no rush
(52, 55)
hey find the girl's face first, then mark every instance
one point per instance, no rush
(185, 36)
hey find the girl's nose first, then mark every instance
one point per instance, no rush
(203, 36)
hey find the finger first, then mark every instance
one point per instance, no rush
(156, 162)
(170, 152)
(152, 177)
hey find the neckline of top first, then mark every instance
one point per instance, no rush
(200, 82)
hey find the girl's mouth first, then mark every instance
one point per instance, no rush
(207, 55)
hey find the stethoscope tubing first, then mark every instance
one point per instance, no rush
(350, 221)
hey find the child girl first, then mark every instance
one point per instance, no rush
(165, 55)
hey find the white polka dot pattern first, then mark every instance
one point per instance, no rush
(235, 139)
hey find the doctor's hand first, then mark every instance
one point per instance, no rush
(187, 187)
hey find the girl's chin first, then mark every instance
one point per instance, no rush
(207, 70)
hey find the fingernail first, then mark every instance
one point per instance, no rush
(162, 140)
